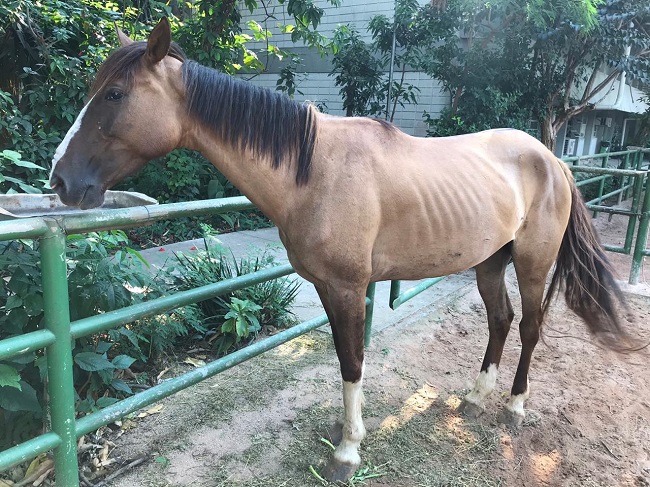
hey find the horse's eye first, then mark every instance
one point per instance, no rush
(113, 95)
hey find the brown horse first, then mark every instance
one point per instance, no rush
(356, 201)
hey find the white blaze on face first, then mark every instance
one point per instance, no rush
(63, 146)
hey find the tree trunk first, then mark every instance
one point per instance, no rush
(548, 132)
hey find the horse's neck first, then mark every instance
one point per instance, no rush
(268, 188)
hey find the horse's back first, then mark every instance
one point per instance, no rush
(409, 207)
(450, 203)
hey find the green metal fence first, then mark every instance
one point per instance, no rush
(630, 175)
(58, 335)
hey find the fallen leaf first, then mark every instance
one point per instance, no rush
(35, 465)
(195, 362)
(127, 424)
(159, 376)
(154, 410)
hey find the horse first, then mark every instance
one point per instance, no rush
(357, 201)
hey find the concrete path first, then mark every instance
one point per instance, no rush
(307, 305)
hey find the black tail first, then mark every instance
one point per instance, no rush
(590, 288)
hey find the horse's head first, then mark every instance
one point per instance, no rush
(135, 114)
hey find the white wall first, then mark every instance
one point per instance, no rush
(354, 12)
(315, 83)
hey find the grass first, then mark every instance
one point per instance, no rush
(429, 446)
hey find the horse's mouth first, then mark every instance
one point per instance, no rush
(93, 197)
(90, 197)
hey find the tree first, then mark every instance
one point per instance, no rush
(50, 50)
(568, 57)
(405, 41)
(357, 71)
(543, 58)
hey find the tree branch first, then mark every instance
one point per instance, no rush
(590, 83)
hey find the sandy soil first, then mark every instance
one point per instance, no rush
(588, 418)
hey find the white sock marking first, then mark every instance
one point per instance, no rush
(484, 385)
(353, 429)
(516, 402)
(63, 146)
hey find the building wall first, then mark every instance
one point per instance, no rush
(600, 126)
(354, 12)
(317, 86)
(314, 81)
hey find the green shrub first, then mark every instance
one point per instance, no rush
(103, 275)
(483, 108)
(241, 320)
(270, 301)
(27, 177)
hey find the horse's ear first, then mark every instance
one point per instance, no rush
(123, 38)
(159, 41)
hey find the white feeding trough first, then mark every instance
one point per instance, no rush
(29, 205)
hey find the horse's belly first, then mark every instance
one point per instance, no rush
(414, 257)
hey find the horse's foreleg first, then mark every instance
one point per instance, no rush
(490, 278)
(346, 310)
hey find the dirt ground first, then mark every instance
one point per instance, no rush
(262, 423)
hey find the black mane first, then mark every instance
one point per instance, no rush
(249, 117)
(252, 118)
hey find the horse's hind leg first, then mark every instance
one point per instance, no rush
(346, 311)
(490, 278)
(532, 267)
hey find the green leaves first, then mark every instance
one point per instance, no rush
(9, 377)
(92, 362)
(122, 362)
(231, 319)
(22, 398)
(24, 174)
(241, 320)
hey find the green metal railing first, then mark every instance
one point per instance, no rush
(632, 174)
(58, 335)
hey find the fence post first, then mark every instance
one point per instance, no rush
(642, 236)
(394, 293)
(625, 180)
(601, 185)
(370, 305)
(59, 354)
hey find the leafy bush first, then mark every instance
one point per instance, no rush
(241, 320)
(357, 71)
(270, 301)
(103, 274)
(27, 176)
(484, 107)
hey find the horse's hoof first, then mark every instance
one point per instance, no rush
(470, 409)
(337, 471)
(510, 418)
(335, 433)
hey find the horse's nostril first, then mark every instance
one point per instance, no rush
(56, 183)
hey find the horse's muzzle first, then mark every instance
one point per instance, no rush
(84, 196)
